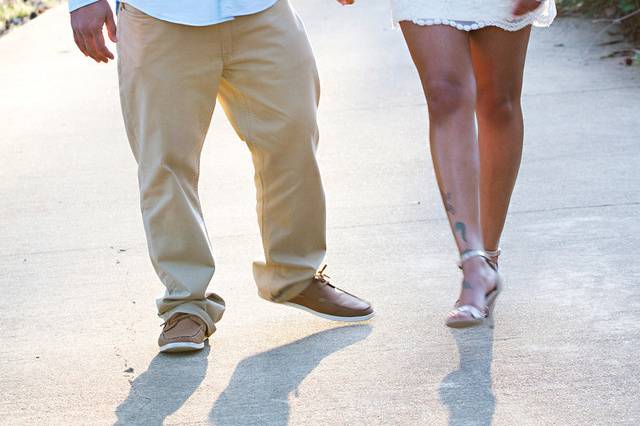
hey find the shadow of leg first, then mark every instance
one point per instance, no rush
(161, 390)
(260, 386)
(467, 391)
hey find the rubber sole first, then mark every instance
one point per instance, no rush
(330, 317)
(181, 347)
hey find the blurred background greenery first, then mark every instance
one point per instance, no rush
(16, 12)
(610, 10)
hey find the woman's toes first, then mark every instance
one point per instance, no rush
(459, 315)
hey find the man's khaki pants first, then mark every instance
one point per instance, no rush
(262, 69)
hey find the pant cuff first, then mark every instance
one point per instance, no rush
(210, 314)
(286, 293)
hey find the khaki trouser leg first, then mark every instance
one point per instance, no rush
(270, 92)
(169, 77)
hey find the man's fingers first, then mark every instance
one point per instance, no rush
(80, 43)
(90, 46)
(92, 49)
(102, 47)
(111, 27)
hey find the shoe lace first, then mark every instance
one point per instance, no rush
(174, 319)
(324, 278)
(321, 276)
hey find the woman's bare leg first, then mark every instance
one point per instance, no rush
(498, 58)
(443, 58)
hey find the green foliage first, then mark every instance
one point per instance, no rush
(14, 12)
(599, 8)
(628, 6)
(14, 9)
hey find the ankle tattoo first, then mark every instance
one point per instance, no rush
(462, 229)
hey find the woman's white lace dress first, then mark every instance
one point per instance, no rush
(470, 15)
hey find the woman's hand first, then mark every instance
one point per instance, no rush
(522, 7)
(345, 2)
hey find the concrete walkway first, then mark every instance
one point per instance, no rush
(77, 320)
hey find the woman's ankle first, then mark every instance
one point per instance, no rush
(478, 270)
(493, 256)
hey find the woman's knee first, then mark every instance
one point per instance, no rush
(499, 105)
(446, 97)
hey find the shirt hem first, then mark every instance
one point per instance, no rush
(179, 21)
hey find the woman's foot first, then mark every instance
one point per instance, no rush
(480, 286)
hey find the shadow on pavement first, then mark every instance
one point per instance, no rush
(467, 391)
(258, 391)
(161, 390)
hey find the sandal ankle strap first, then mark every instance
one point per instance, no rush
(494, 253)
(470, 254)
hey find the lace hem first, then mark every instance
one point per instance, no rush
(476, 25)
(415, 11)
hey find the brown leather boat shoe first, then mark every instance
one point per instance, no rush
(329, 302)
(183, 332)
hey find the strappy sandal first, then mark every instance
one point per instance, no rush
(472, 315)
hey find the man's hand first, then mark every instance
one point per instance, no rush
(87, 23)
(345, 2)
(521, 7)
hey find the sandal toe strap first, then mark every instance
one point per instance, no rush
(474, 312)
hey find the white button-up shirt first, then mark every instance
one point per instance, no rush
(191, 12)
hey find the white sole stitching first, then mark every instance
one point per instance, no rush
(181, 347)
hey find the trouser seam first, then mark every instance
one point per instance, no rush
(254, 147)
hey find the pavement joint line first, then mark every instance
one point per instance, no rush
(524, 95)
(566, 92)
(521, 212)
(591, 206)
(364, 225)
